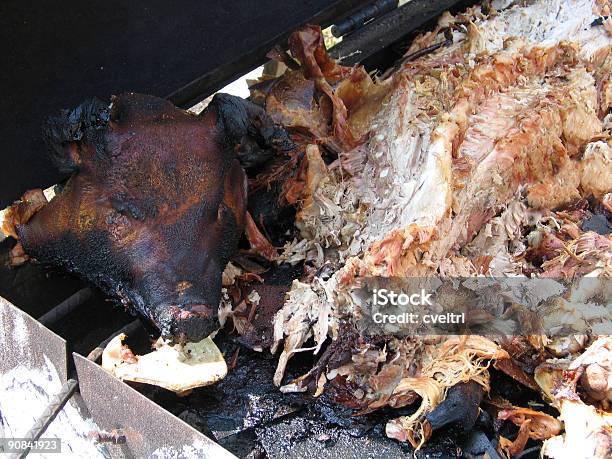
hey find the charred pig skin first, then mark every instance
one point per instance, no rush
(155, 205)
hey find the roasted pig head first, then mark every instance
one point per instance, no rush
(156, 202)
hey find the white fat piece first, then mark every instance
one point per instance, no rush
(178, 368)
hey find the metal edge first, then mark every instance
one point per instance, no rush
(25, 341)
(148, 428)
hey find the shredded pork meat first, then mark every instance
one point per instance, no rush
(483, 158)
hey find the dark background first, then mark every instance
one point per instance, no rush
(55, 54)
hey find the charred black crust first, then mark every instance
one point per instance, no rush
(266, 205)
(247, 125)
(191, 329)
(232, 117)
(459, 409)
(86, 122)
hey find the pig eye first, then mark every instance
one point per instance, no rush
(223, 212)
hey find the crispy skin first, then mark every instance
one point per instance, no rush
(305, 100)
(155, 205)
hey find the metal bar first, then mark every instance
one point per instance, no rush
(389, 28)
(66, 307)
(367, 13)
(55, 406)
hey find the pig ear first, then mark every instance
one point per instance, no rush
(232, 116)
(247, 125)
(64, 133)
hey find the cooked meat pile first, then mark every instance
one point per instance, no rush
(155, 205)
(491, 156)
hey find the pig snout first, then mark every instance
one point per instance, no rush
(192, 322)
(186, 323)
(187, 311)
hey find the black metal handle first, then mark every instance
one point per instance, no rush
(369, 12)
